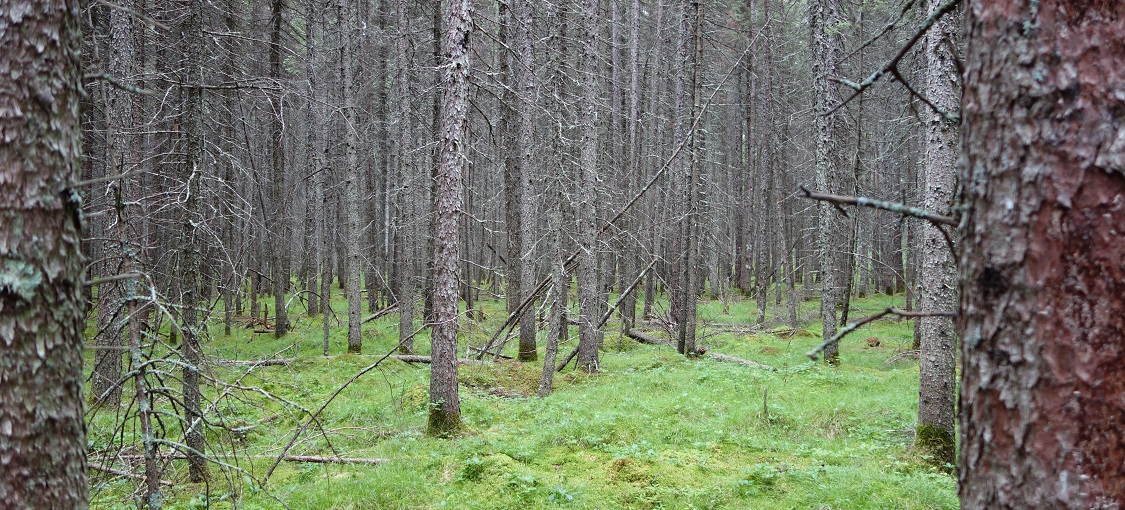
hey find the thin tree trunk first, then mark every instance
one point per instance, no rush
(354, 183)
(824, 17)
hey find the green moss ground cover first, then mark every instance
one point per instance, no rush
(652, 430)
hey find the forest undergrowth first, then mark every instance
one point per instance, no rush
(652, 430)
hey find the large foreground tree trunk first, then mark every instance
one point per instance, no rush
(42, 433)
(445, 403)
(1043, 257)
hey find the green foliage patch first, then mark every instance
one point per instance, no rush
(652, 430)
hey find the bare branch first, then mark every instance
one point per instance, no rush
(892, 65)
(905, 210)
(856, 325)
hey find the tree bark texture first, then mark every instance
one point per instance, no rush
(824, 20)
(445, 403)
(42, 432)
(113, 296)
(587, 190)
(1042, 314)
(937, 359)
(355, 265)
(190, 243)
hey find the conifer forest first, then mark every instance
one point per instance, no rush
(509, 254)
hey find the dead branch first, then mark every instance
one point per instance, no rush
(903, 209)
(254, 363)
(391, 308)
(411, 358)
(892, 65)
(856, 325)
(645, 338)
(126, 474)
(332, 460)
(740, 361)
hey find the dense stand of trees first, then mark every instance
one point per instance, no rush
(268, 155)
(236, 148)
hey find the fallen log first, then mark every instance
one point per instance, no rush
(411, 358)
(740, 361)
(645, 338)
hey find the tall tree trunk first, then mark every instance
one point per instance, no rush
(407, 239)
(191, 257)
(690, 259)
(445, 408)
(587, 190)
(112, 296)
(279, 233)
(1041, 311)
(937, 359)
(824, 18)
(354, 265)
(42, 431)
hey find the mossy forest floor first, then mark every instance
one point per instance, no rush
(652, 430)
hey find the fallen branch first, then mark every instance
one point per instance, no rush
(331, 460)
(411, 358)
(255, 363)
(813, 354)
(740, 361)
(126, 474)
(902, 355)
(380, 313)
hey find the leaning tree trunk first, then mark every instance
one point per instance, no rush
(445, 403)
(1042, 257)
(42, 432)
(937, 360)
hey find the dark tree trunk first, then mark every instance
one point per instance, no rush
(1042, 274)
(42, 432)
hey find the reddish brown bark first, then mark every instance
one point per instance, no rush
(1043, 262)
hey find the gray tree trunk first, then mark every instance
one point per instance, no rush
(408, 231)
(354, 184)
(445, 403)
(587, 190)
(824, 18)
(112, 296)
(42, 431)
(279, 231)
(937, 360)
